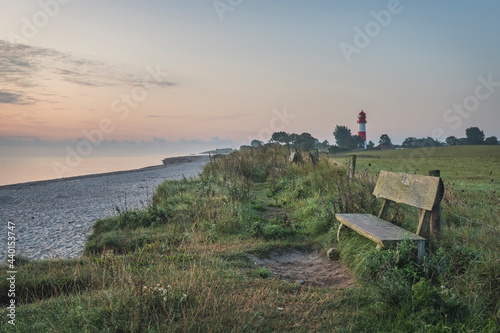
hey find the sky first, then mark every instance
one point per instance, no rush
(225, 72)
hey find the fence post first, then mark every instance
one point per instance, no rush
(314, 156)
(436, 225)
(296, 157)
(352, 167)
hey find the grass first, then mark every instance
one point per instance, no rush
(182, 263)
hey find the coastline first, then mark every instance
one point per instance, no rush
(53, 218)
(170, 161)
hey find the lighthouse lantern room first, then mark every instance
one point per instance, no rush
(362, 125)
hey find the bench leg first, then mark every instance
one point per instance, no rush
(338, 232)
(421, 251)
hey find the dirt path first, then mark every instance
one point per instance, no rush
(306, 267)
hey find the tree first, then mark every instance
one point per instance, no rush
(492, 140)
(385, 140)
(409, 142)
(281, 137)
(474, 136)
(256, 143)
(452, 140)
(305, 141)
(371, 144)
(357, 142)
(293, 137)
(429, 142)
(322, 146)
(343, 136)
(336, 149)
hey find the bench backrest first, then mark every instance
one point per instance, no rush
(415, 190)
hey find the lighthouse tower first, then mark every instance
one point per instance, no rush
(362, 125)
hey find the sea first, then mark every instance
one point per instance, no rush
(27, 164)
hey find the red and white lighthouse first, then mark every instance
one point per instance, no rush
(362, 125)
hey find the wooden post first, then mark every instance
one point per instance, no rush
(352, 167)
(314, 156)
(436, 225)
(420, 251)
(423, 229)
(296, 157)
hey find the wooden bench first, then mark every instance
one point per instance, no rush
(423, 192)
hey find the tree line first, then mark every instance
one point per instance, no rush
(346, 141)
(473, 136)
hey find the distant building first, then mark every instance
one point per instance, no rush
(362, 126)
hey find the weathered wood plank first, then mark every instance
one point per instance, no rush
(436, 222)
(383, 210)
(424, 223)
(396, 186)
(376, 229)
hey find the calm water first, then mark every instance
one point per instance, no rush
(21, 165)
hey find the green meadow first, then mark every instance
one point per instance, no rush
(469, 167)
(185, 262)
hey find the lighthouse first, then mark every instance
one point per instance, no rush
(362, 125)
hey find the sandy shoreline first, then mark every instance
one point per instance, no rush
(54, 217)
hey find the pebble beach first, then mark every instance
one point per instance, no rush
(53, 218)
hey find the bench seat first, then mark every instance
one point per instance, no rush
(379, 231)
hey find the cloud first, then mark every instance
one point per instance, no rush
(29, 71)
(14, 98)
(159, 140)
(191, 141)
(9, 98)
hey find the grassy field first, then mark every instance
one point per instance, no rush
(183, 264)
(473, 168)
